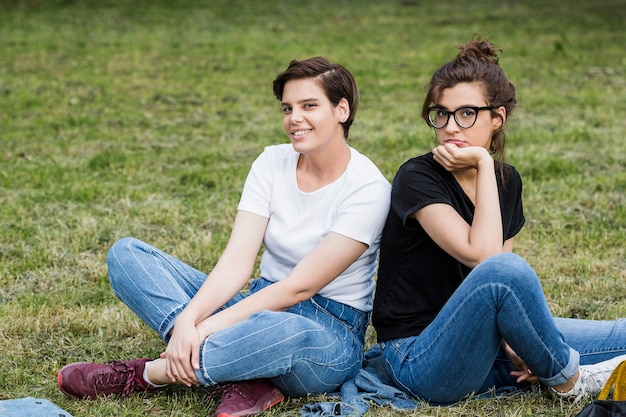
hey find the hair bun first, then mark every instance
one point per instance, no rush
(480, 49)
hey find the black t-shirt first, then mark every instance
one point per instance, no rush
(415, 276)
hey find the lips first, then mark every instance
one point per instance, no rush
(456, 142)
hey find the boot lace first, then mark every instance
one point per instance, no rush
(122, 375)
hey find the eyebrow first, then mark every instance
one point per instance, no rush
(463, 106)
(284, 103)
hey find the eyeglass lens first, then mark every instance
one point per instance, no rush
(465, 117)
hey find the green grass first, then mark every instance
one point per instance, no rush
(142, 118)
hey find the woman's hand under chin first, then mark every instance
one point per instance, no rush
(454, 158)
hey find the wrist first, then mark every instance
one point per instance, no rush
(204, 329)
(185, 318)
(485, 161)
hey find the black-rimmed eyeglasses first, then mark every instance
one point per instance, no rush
(465, 117)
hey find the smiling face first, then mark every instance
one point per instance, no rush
(309, 118)
(480, 134)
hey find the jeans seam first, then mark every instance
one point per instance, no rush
(166, 324)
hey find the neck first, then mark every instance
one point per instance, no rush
(315, 171)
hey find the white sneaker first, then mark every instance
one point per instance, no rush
(591, 379)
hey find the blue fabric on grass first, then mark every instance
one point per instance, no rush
(371, 385)
(31, 407)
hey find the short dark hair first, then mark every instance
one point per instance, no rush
(336, 81)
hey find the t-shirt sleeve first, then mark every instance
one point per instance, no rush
(257, 190)
(514, 184)
(363, 212)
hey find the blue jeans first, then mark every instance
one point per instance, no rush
(311, 348)
(459, 353)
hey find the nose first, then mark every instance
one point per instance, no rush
(295, 116)
(452, 125)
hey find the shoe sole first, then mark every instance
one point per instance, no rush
(252, 411)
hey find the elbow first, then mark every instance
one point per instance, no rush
(302, 295)
(285, 295)
(298, 295)
(480, 257)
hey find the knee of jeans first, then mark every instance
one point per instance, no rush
(504, 258)
(506, 267)
(116, 258)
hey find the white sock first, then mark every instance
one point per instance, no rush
(145, 377)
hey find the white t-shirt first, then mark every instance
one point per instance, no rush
(355, 205)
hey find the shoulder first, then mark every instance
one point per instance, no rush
(281, 151)
(275, 158)
(364, 169)
(423, 167)
(512, 178)
(513, 172)
(421, 181)
(510, 170)
(419, 163)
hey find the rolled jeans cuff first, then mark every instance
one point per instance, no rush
(566, 373)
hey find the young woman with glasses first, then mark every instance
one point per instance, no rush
(456, 312)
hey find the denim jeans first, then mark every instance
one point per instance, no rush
(311, 348)
(459, 352)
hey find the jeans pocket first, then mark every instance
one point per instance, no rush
(329, 315)
(400, 347)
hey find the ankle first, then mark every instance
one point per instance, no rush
(568, 386)
(148, 380)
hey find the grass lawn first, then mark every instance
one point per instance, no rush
(141, 118)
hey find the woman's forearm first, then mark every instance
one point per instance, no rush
(486, 229)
